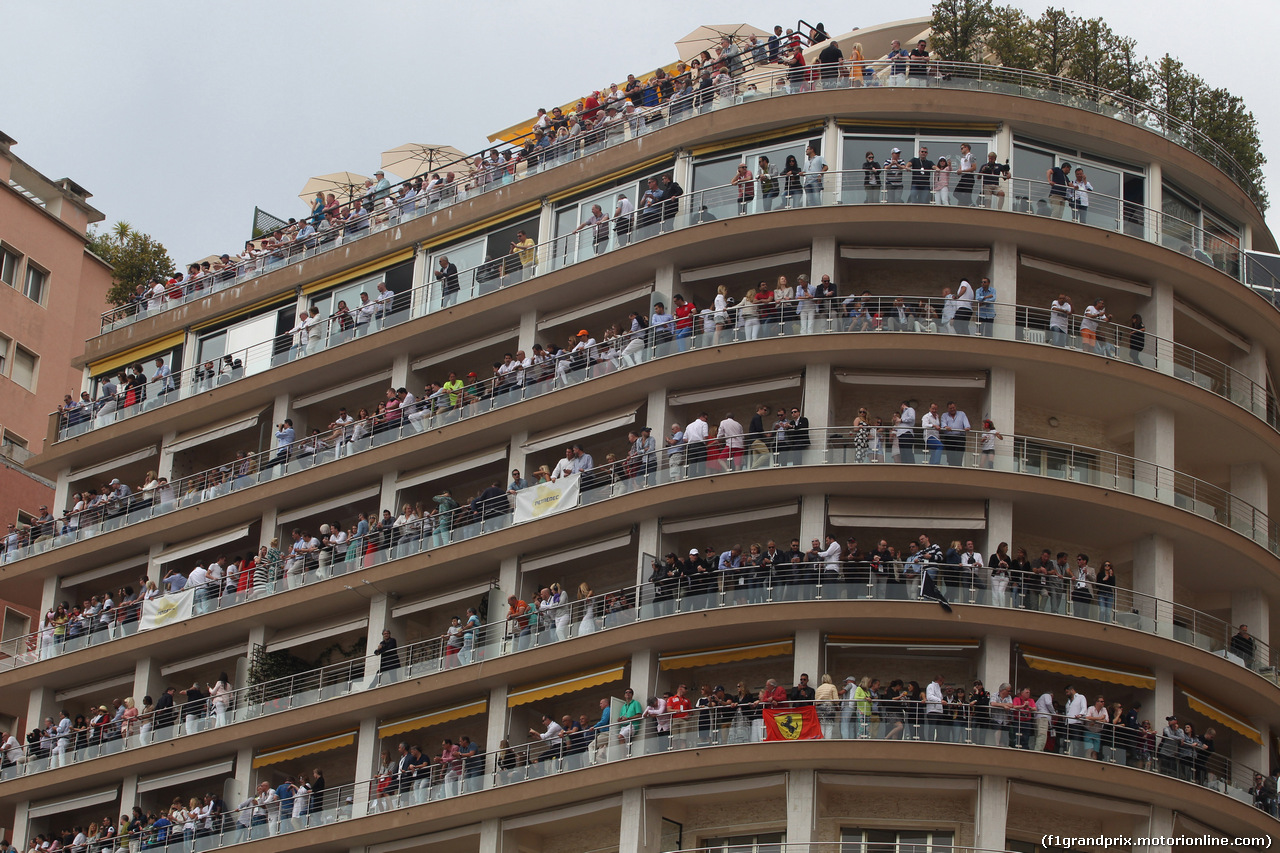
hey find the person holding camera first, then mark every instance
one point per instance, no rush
(992, 174)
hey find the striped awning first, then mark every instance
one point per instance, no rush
(288, 752)
(432, 718)
(1235, 722)
(726, 654)
(547, 689)
(1095, 670)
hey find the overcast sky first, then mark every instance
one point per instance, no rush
(181, 117)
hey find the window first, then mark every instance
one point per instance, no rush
(761, 842)
(25, 364)
(4, 355)
(8, 266)
(894, 841)
(33, 286)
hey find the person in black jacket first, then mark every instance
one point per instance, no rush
(165, 713)
(447, 275)
(389, 656)
(671, 192)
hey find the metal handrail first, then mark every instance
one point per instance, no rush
(860, 445)
(845, 188)
(726, 726)
(766, 84)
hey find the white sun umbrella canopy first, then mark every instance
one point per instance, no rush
(418, 158)
(707, 37)
(344, 185)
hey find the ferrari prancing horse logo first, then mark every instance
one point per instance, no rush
(789, 725)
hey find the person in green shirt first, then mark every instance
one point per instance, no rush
(445, 506)
(628, 716)
(453, 388)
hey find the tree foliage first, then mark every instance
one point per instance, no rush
(135, 257)
(1087, 49)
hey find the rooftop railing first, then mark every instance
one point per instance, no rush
(858, 445)
(843, 188)
(671, 594)
(990, 733)
(754, 86)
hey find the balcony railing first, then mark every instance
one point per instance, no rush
(741, 586)
(989, 735)
(1035, 198)
(756, 86)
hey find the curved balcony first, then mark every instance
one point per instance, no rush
(770, 84)
(745, 588)
(622, 747)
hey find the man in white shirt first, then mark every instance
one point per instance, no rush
(730, 431)
(300, 334)
(974, 576)
(1044, 717)
(1074, 713)
(964, 308)
(622, 219)
(163, 377)
(695, 443)
(814, 166)
(155, 296)
(384, 301)
(10, 750)
(565, 466)
(933, 716)
(905, 433)
(365, 313)
(932, 439)
(1094, 315)
(553, 737)
(954, 424)
(1060, 321)
(315, 330)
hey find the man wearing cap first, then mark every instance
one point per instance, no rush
(1170, 741)
(893, 169)
(578, 358)
(382, 188)
(42, 527)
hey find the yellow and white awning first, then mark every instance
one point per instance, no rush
(547, 689)
(1095, 670)
(725, 654)
(1233, 721)
(432, 718)
(288, 752)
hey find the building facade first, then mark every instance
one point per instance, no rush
(55, 290)
(1144, 444)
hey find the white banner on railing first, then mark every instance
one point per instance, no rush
(167, 609)
(546, 498)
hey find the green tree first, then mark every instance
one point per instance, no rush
(1052, 37)
(958, 29)
(134, 257)
(1101, 58)
(1224, 118)
(1009, 38)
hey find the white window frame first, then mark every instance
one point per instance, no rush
(36, 269)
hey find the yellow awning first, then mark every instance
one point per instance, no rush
(144, 353)
(777, 134)
(298, 750)
(546, 689)
(432, 718)
(926, 643)
(725, 654)
(1085, 668)
(1218, 715)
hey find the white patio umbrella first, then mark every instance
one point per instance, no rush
(418, 158)
(707, 37)
(344, 185)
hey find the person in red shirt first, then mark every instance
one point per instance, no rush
(518, 622)
(685, 313)
(681, 722)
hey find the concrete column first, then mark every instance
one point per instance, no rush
(665, 283)
(999, 526)
(1003, 272)
(48, 597)
(1157, 314)
(641, 823)
(1253, 608)
(824, 258)
(379, 620)
(992, 811)
(418, 301)
(491, 835)
(40, 704)
(528, 335)
(495, 730)
(190, 344)
(165, 467)
(1153, 579)
(517, 459)
(802, 806)
(400, 371)
(387, 497)
(1155, 201)
(257, 637)
(1249, 500)
(154, 566)
(682, 173)
(18, 837)
(650, 536)
(656, 416)
(281, 409)
(1004, 143)
(1252, 390)
(995, 662)
(368, 756)
(1000, 406)
(817, 408)
(128, 793)
(1161, 824)
(1153, 443)
(831, 147)
(61, 491)
(243, 776)
(813, 519)
(1162, 703)
(269, 513)
(807, 657)
(508, 585)
(644, 673)
(546, 228)
(147, 680)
